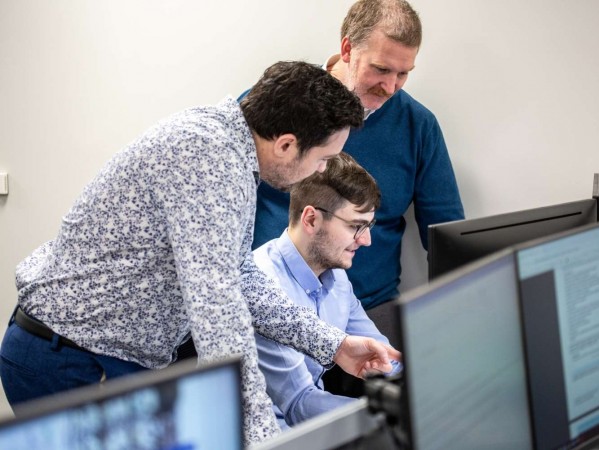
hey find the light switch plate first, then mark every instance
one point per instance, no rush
(3, 184)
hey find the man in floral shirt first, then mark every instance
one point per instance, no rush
(158, 246)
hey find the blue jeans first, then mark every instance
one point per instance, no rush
(32, 367)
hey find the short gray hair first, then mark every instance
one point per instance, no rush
(396, 18)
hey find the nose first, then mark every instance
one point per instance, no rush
(365, 239)
(391, 84)
(389, 88)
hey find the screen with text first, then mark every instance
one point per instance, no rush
(559, 282)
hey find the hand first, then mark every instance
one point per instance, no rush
(360, 356)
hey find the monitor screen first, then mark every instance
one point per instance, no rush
(183, 407)
(453, 244)
(559, 289)
(464, 369)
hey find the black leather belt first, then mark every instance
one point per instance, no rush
(38, 329)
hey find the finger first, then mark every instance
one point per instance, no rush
(382, 351)
(393, 353)
(370, 366)
(383, 368)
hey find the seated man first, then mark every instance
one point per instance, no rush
(330, 217)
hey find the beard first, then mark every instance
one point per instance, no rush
(279, 177)
(320, 257)
(279, 185)
(361, 90)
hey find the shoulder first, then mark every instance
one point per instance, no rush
(204, 142)
(399, 115)
(402, 102)
(201, 128)
(268, 258)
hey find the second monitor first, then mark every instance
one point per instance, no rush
(453, 244)
(559, 291)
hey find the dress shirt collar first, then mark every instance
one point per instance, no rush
(300, 270)
(237, 123)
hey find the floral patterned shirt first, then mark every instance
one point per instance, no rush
(158, 245)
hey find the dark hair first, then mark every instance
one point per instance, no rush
(301, 99)
(396, 18)
(343, 180)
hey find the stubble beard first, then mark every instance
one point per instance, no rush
(319, 258)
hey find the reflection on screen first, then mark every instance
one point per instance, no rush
(199, 411)
(560, 295)
(465, 363)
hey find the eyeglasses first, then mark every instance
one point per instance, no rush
(360, 228)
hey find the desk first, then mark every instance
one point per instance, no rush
(338, 428)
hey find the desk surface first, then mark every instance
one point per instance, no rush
(331, 430)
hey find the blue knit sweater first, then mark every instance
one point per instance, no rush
(402, 146)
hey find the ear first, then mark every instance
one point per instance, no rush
(285, 146)
(345, 49)
(309, 220)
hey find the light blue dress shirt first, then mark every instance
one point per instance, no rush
(294, 380)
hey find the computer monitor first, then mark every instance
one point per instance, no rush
(182, 407)
(559, 290)
(453, 244)
(464, 367)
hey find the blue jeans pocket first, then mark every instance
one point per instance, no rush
(8, 365)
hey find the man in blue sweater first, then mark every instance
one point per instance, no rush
(401, 145)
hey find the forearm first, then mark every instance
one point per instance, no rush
(275, 316)
(290, 382)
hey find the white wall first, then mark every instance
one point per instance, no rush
(513, 84)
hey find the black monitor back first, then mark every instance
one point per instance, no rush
(453, 244)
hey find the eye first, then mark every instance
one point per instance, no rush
(381, 70)
(359, 228)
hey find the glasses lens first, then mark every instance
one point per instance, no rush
(360, 231)
(363, 228)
